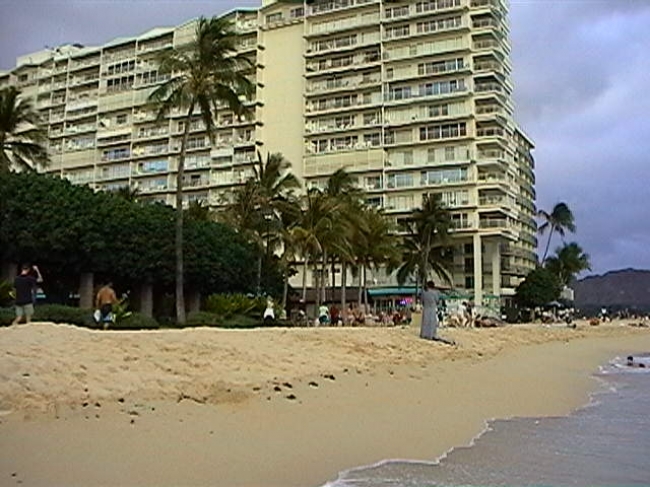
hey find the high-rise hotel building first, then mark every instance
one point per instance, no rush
(412, 97)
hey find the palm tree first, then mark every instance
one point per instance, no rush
(127, 193)
(559, 220)
(262, 207)
(568, 261)
(203, 74)
(374, 247)
(22, 134)
(346, 197)
(315, 224)
(198, 211)
(425, 247)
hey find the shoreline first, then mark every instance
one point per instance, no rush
(403, 399)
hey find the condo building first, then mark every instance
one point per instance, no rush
(411, 97)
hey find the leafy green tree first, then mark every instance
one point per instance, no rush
(540, 287)
(70, 229)
(568, 261)
(559, 220)
(23, 137)
(203, 74)
(425, 247)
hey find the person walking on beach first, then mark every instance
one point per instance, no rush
(25, 285)
(430, 299)
(104, 301)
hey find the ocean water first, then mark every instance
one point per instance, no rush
(606, 443)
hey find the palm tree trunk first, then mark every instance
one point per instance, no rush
(317, 286)
(304, 279)
(180, 288)
(259, 274)
(548, 243)
(323, 282)
(285, 291)
(365, 290)
(333, 288)
(360, 299)
(344, 276)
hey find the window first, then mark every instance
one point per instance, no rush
(372, 140)
(442, 87)
(443, 176)
(438, 110)
(401, 93)
(431, 5)
(371, 118)
(394, 12)
(297, 13)
(445, 131)
(121, 119)
(276, 17)
(450, 153)
(154, 166)
(401, 31)
(437, 25)
(441, 66)
(373, 182)
(400, 180)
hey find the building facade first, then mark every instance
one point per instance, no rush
(412, 97)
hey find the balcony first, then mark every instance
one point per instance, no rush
(343, 84)
(496, 223)
(490, 132)
(84, 63)
(345, 63)
(151, 133)
(155, 46)
(335, 5)
(91, 78)
(416, 50)
(78, 103)
(77, 129)
(326, 28)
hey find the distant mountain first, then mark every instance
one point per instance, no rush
(626, 288)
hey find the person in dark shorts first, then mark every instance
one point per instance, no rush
(25, 285)
(104, 301)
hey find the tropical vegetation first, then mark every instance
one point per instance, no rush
(204, 75)
(559, 220)
(22, 134)
(568, 261)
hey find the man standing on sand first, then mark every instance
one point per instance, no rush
(105, 300)
(25, 285)
(430, 298)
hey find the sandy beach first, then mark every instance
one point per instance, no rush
(273, 407)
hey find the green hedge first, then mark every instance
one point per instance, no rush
(204, 318)
(57, 313)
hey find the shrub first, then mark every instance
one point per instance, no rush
(7, 315)
(203, 318)
(135, 321)
(57, 313)
(7, 293)
(242, 321)
(228, 305)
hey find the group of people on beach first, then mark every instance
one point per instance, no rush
(26, 286)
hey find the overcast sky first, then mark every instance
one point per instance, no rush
(582, 92)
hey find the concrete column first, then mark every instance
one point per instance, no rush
(86, 290)
(145, 299)
(194, 301)
(478, 271)
(496, 268)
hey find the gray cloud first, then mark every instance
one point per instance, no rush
(581, 79)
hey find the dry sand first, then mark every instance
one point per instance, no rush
(272, 407)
